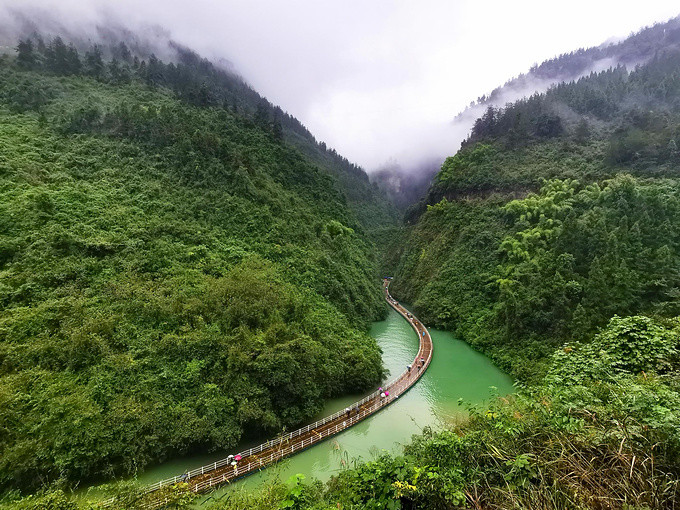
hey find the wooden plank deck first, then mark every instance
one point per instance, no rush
(212, 476)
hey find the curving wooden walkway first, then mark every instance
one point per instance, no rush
(211, 476)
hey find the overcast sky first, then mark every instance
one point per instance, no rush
(377, 79)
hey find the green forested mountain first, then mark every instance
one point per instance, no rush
(409, 186)
(560, 211)
(123, 58)
(173, 273)
(637, 49)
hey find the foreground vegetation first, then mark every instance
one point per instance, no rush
(600, 431)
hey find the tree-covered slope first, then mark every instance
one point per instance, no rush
(407, 187)
(172, 276)
(122, 57)
(560, 211)
(637, 49)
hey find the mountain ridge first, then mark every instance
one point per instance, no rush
(638, 48)
(174, 275)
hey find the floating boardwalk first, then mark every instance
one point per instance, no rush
(211, 476)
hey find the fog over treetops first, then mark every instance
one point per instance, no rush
(379, 82)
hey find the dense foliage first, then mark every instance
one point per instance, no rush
(603, 438)
(560, 211)
(172, 275)
(198, 82)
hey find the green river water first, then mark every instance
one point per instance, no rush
(456, 372)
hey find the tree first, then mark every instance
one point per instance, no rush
(94, 65)
(582, 132)
(262, 114)
(518, 134)
(672, 149)
(26, 58)
(154, 71)
(204, 96)
(548, 125)
(122, 52)
(485, 126)
(277, 128)
(57, 57)
(73, 64)
(114, 71)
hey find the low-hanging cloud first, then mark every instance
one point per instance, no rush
(379, 81)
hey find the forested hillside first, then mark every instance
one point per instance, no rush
(173, 273)
(637, 49)
(561, 211)
(123, 57)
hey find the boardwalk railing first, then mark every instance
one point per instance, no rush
(283, 445)
(279, 440)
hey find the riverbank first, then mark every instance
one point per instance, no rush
(456, 372)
